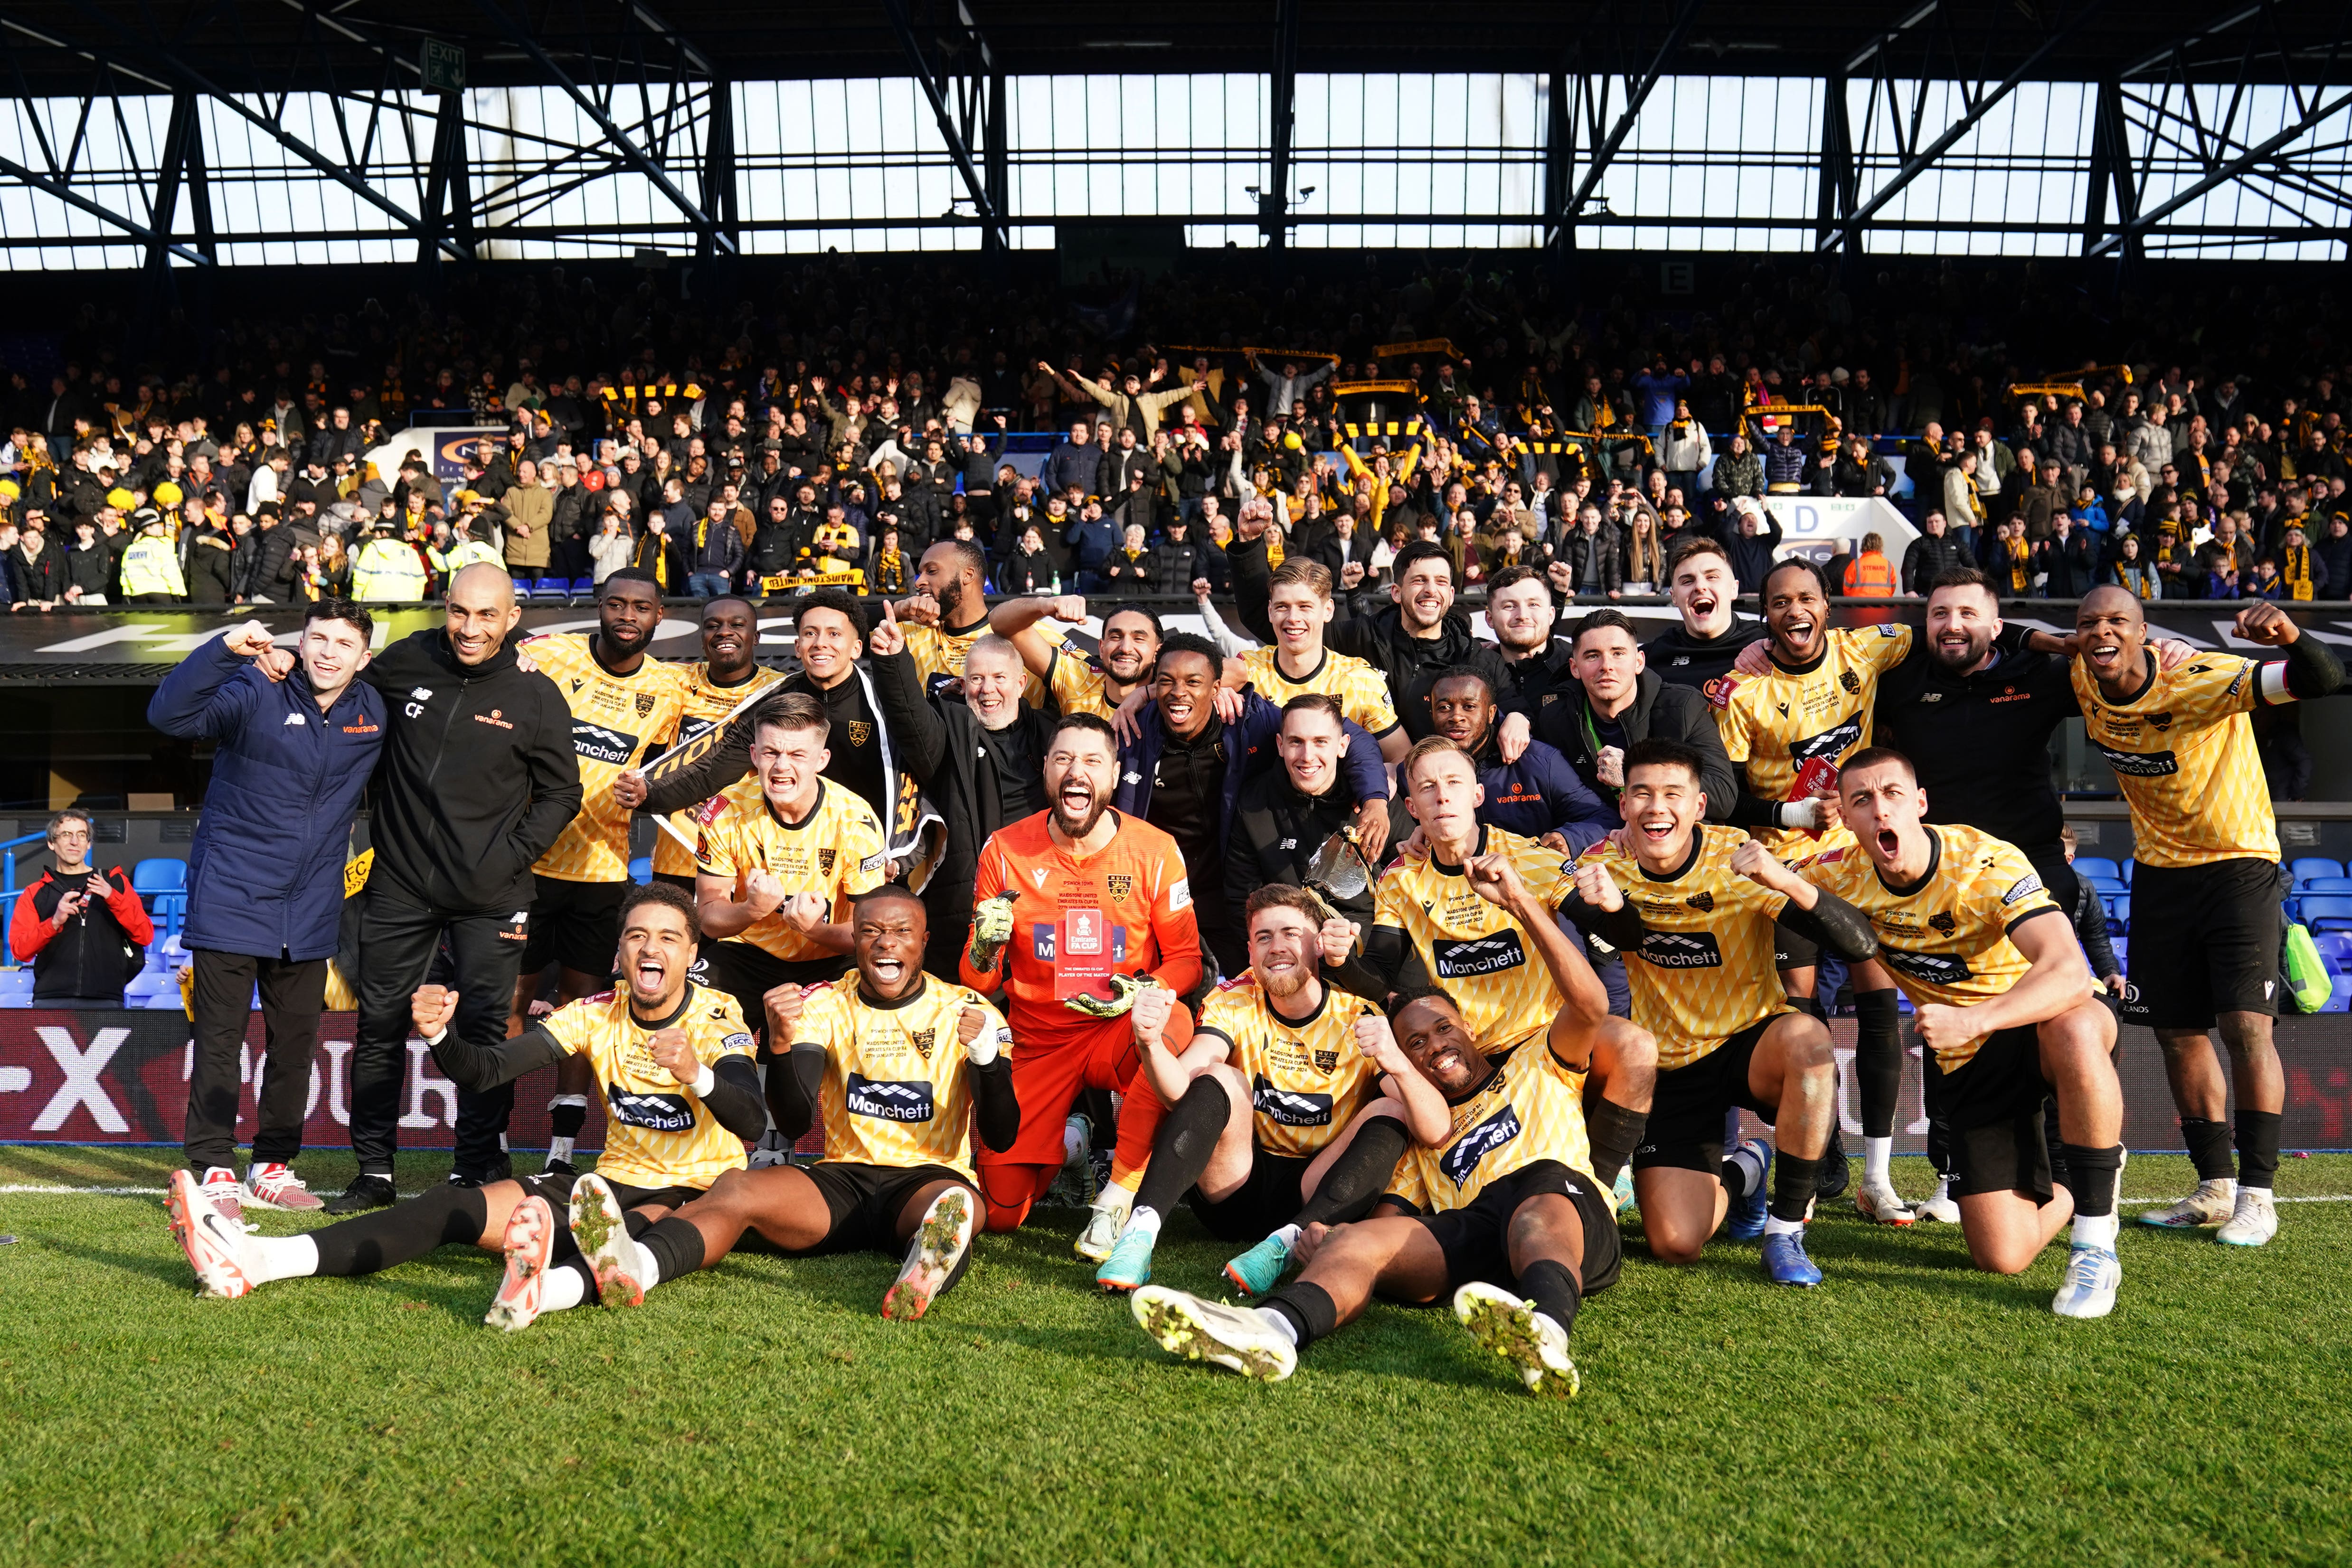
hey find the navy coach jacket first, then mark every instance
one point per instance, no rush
(1249, 752)
(266, 876)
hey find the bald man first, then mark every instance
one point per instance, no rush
(477, 780)
(2206, 929)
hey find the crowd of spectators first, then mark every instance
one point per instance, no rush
(852, 414)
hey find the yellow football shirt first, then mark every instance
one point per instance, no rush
(895, 1092)
(617, 721)
(2183, 753)
(1307, 1079)
(656, 1132)
(1531, 1109)
(939, 653)
(1704, 971)
(836, 849)
(1947, 939)
(1362, 691)
(1077, 686)
(1777, 724)
(1477, 953)
(707, 702)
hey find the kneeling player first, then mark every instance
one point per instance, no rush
(1692, 907)
(902, 1067)
(1508, 1198)
(2007, 1005)
(1290, 1107)
(681, 1097)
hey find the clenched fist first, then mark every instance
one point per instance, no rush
(1597, 887)
(1337, 938)
(783, 1005)
(1151, 1009)
(675, 1055)
(430, 1008)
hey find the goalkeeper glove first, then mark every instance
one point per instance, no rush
(1124, 989)
(991, 928)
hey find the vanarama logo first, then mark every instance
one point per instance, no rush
(494, 717)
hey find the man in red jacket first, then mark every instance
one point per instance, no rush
(81, 929)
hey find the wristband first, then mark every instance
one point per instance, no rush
(704, 1082)
(436, 1040)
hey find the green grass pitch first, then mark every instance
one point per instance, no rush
(1909, 1411)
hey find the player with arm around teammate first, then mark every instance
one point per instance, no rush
(680, 1098)
(902, 1069)
(1503, 1216)
(2008, 1009)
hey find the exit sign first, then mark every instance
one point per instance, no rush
(442, 67)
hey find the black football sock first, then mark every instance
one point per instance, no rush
(1308, 1309)
(2209, 1148)
(1877, 1059)
(1741, 1176)
(675, 1243)
(2258, 1149)
(2059, 1149)
(2090, 1177)
(443, 1216)
(1793, 1179)
(1615, 1133)
(1810, 1007)
(1359, 1176)
(1181, 1149)
(565, 1121)
(1554, 1291)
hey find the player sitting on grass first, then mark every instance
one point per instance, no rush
(1692, 907)
(901, 1067)
(2006, 1003)
(1290, 1107)
(680, 1098)
(1508, 1198)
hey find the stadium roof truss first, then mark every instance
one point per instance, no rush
(193, 134)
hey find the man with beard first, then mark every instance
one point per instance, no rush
(1537, 795)
(1284, 816)
(1694, 909)
(981, 760)
(1290, 1107)
(2205, 899)
(901, 1069)
(1523, 613)
(1699, 652)
(1078, 909)
(728, 675)
(1504, 1215)
(2006, 1008)
(1184, 769)
(624, 706)
(1420, 636)
(951, 584)
(1122, 660)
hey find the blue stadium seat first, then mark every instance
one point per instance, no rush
(553, 587)
(2105, 887)
(640, 869)
(2119, 906)
(2327, 885)
(2098, 867)
(584, 585)
(16, 987)
(159, 875)
(2305, 867)
(2328, 912)
(2335, 949)
(2127, 868)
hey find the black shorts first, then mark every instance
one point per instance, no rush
(1793, 950)
(1684, 1131)
(866, 1201)
(1475, 1237)
(2205, 940)
(1268, 1199)
(575, 924)
(555, 1186)
(1993, 1104)
(748, 973)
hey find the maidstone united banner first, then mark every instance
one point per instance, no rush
(122, 1077)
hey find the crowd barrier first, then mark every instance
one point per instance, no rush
(122, 1077)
